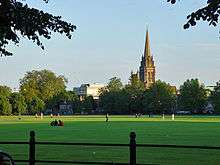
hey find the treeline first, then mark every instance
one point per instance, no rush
(39, 91)
(43, 90)
(159, 98)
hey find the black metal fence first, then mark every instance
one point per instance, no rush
(132, 148)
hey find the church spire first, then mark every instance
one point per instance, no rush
(147, 46)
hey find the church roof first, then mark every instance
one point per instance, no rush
(147, 46)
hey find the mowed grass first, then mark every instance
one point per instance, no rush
(188, 130)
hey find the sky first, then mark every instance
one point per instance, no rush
(109, 41)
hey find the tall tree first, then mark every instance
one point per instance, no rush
(113, 98)
(193, 96)
(64, 96)
(5, 91)
(36, 105)
(18, 104)
(88, 104)
(209, 13)
(135, 82)
(114, 84)
(215, 97)
(134, 91)
(114, 102)
(18, 18)
(43, 84)
(5, 106)
(159, 98)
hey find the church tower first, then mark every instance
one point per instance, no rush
(147, 67)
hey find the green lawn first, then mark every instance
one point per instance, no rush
(188, 130)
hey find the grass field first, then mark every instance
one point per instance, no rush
(188, 130)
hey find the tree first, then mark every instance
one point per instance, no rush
(17, 17)
(114, 102)
(43, 84)
(5, 106)
(134, 91)
(114, 84)
(209, 13)
(5, 91)
(63, 96)
(193, 96)
(18, 104)
(215, 97)
(36, 105)
(159, 98)
(135, 82)
(113, 99)
(88, 104)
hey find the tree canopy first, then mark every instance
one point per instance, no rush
(18, 103)
(159, 98)
(134, 99)
(209, 13)
(18, 18)
(193, 96)
(5, 91)
(215, 97)
(5, 106)
(43, 84)
(114, 84)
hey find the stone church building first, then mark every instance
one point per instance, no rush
(147, 69)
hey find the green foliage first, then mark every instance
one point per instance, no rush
(114, 84)
(17, 17)
(5, 106)
(134, 98)
(193, 96)
(63, 96)
(215, 98)
(43, 88)
(88, 104)
(18, 104)
(136, 83)
(43, 84)
(115, 102)
(5, 91)
(209, 13)
(159, 98)
(36, 105)
(113, 99)
(134, 93)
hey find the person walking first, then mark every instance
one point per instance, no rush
(106, 117)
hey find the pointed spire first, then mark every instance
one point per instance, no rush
(147, 46)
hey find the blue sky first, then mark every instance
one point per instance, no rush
(109, 41)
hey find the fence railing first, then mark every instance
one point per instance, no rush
(132, 148)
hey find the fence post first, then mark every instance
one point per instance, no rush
(132, 148)
(32, 148)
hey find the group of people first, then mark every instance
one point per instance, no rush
(137, 115)
(57, 123)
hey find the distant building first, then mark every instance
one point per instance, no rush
(209, 109)
(89, 90)
(65, 108)
(62, 108)
(147, 69)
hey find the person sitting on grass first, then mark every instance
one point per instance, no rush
(60, 123)
(54, 123)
